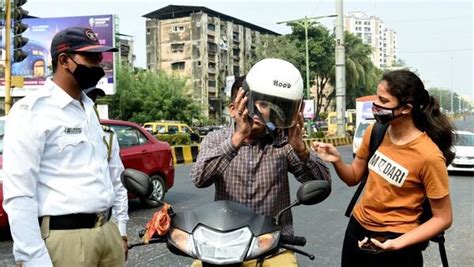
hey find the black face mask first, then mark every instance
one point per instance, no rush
(87, 77)
(384, 115)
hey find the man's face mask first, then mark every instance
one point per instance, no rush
(85, 76)
(384, 115)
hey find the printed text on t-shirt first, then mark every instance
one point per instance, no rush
(388, 169)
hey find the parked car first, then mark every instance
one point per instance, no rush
(3, 214)
(204, 130)
(321, 126)
(464, 149)
(142, 151)
(170, 127)
(359, 135)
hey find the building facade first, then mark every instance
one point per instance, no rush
(373, 32)
(125, 44)
(203, 45)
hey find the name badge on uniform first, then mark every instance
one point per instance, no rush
(73, 130)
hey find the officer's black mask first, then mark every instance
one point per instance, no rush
(87, 77)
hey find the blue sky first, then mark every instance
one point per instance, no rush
(434, 37)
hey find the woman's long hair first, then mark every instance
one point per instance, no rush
(426, 113)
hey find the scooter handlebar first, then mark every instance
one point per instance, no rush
(293, 240)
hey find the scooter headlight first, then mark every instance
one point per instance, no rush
(182, 240)
(263, 243)
(221, 248)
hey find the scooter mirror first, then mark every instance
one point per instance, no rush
(313, 192)
(137, 182)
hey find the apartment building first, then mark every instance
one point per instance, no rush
(373, 32)
(125, 44)
(204, 45)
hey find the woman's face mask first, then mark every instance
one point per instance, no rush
(384, 115)
(85, 76)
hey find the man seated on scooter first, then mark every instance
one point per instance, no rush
(249, 161)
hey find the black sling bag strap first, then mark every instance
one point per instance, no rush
(376, 137)
(425, 216)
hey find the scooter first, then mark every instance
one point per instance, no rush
(225, 233)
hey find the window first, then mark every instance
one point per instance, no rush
(211, 47)
(179, 47)
(178, 65)
(367, 29)
(148, 128)
(235, 36)
(187, 130)
(172, 129)
(148, 30)
(128, 136)
(161, 129)
(178, 28)
(464, 139)
(366, 22)
(211, 83)
(211, 27)
(358, 28)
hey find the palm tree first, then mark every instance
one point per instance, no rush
(361, 74)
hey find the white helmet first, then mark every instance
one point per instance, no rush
(278, 85)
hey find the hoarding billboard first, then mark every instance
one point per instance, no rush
(36, 68)
(308, 112)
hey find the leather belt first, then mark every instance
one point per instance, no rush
(78, 220)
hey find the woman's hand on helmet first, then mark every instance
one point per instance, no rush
(243, 125)
(295, 135)
(326, 152)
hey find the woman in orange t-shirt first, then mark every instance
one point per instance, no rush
(408, 167)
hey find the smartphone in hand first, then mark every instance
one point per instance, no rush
(370, 247)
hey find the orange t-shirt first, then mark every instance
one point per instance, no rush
(400, 177)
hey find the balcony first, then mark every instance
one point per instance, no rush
(211, 48)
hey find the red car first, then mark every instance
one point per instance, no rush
(142, 151)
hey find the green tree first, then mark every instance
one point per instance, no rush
(362, 76)
(143, 95)
(282, 47)
(321, 49)
(292, 48)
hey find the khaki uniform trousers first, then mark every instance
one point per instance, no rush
(98, 246)
(285, 258)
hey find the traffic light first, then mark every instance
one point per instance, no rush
(18, 13)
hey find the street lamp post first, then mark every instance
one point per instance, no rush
(306, 23)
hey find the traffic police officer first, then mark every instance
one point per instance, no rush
(59, 187)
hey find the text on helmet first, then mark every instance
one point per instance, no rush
(281, 84)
